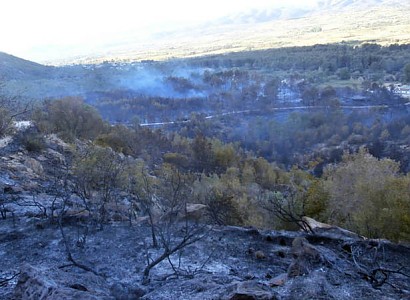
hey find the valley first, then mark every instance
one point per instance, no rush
(260, 154)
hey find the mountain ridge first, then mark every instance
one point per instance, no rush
(332, 21)
(13, 67)
(322, 22)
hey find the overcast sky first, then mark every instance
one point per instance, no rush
(35, 29)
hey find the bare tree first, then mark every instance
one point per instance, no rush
(62, 189)
(173, 228)
(286, 205)
(142, 186)
(368, 258)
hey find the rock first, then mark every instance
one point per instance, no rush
(11, 190)
(54, 142)
(196, 211)
(121, 291)
(5, 141)
(313, 224)
(306, 258)
(248, 290)
(279, 280)
(34, 165)
(314, 286)
(334, 231)
(52, 284)
(260, 255)
(55, 156)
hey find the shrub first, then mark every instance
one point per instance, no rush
(33, 142)
(5, 122)
(70, 118)
(369, 196)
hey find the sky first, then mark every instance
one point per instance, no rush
(43, 30)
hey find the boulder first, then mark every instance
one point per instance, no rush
(306, 258)
(52, 284)
(327, 229)
(196, 211)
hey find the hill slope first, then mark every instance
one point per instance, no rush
(227, 263)
(12, 67)
(331, 21)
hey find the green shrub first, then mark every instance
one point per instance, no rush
(369, 196)
(70, 118)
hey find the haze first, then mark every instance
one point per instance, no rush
(47, 30)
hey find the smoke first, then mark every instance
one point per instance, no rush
(164, 82)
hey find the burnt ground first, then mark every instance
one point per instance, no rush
(225, 257)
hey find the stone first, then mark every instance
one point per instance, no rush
(334, 231)
(196, 211)
(249, 290)
(279, 280)
(52, 284)
(121, 291)
(34, 165)
(260, 254)
(306, 258)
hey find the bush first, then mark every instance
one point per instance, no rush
(33, 142)
(5, 122)
(369, 196)
(70, 118)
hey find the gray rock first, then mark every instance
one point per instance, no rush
(248, 290)
(52, 284)
(121, 291)
(306, 258)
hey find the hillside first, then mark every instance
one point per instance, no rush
(51, 247)
(384, 22)
(15, 68)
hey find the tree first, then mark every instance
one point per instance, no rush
(143, 187)
(310, 95)
(202, 154)
(10, 109)
(5, 121)
(344, 73)
(406, 71)
(286, 205)
(71, 118)
(172, 226)
(369, 196)
(98, 176)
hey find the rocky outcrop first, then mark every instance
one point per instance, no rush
(319, 227)
(53, 284)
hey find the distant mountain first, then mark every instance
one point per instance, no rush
(12, 67)
(270, 26)
(361, 4)
(273, 13)
(320, 22)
